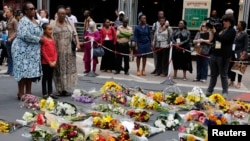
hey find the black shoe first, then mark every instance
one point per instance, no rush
(117, 72)
(86, 72)
(6, 73)
(126, 73)
(154, 72)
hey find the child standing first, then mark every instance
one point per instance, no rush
(49, 58)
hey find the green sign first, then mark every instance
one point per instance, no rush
(195, 17)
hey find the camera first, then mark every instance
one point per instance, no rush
(214, 23)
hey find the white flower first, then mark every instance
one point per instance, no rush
(29, 117)
(159, 124)
(169, 124)
(171, 117)
(176, 121)
(188, 130)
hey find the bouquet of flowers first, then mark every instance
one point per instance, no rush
(170, 99)
(30, 102)
(156, 96)
(29, 117)
(139, 115)
(42, 133)
(84, 96)
(115, 97)
(109, 108)
(224, 106)
(141, 101)
(240, 106)
(195, 129)
(195, 115)
(47, 104)
(68, 132)
(111, 86)
(65, 109)
(141, 130)
(215, 118)
(170, 121)
(216, 98)
(4, 127)
(108, 122)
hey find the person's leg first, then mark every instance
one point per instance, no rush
(155, 62)
(214, 75)
(239, 81)
(198, 68)
(28, 85)
(118, 60)
(44, 79)
(95, 61)
(138, 62)
(165, 62)
(144, 61)
(175, 73)
(49, 79)
(184, 75)
(126, 58)
(223, 69)
(21, 85)
(159, 63)
(10, 63)
(204, 69)
(232, 78)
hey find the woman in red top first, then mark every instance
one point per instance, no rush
(49, 58)
(108, 39)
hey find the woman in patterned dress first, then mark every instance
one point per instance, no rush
(26, 51)
(65, 73)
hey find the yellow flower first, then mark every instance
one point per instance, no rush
(193, 98)
(158, 96)
(218, 122)
(216, 98)
(51, 105)
(190, 138)
(42, 103)
(107, 118)
(96, 120)
(54, 124)
(140, 131)
(179, 100)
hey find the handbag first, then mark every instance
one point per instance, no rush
(73, 46)
(239, 67)
(98, 51)
(205, 49)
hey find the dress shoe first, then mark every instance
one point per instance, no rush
(126, 73)
(153, 72)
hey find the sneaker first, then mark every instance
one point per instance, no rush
(203, 80)
(196, 80)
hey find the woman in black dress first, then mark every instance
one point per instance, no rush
(181, 59)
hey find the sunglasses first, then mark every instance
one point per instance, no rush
(31, 9)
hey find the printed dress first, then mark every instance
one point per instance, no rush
(26, 51)
(65, 73)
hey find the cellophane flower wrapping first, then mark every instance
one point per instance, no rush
(194, 128)
(30, 102)
(84, 96)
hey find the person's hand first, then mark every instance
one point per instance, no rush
(136, 48)
(213, 30)
(9, 40)
(41, 41)
(78, 46)
(52, 64)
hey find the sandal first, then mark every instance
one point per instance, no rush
(138, 73)
(45, 96)
(53, 96)
(238, 85)
(143, 73)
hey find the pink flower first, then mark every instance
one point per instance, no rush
(182, 129)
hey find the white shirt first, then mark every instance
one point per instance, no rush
(72, 18)
(41, 20)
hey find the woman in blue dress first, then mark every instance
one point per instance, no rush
(142, 38)
(26, 51)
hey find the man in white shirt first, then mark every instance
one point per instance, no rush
(71, 17)
(42, 17)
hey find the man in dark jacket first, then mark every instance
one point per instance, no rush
(221, 54)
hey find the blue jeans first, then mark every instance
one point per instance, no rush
(202, 68)
(219, 66)
(9, 61)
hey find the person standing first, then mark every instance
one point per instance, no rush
(119, 20)
(221, 55)
(156, 25)
(203, 39)
(240, 51)
(49, 58)
(12, 31)
(108, 39)
(87, 19)
(124, 32)
(142, 38)
(65, 73)
(3, 36)
(161, 41)
(26, 51)
(181, 59)
(71, 17)
(91, 34)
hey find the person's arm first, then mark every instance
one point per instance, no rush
(136, 38)
(245, 46)
(97, 36)
(196, 38)
(23, 32)
(114, 35)
(209, 40)
(44, 52)
(225, 36)
(11, 38)
(101, 33)
(43, 20)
